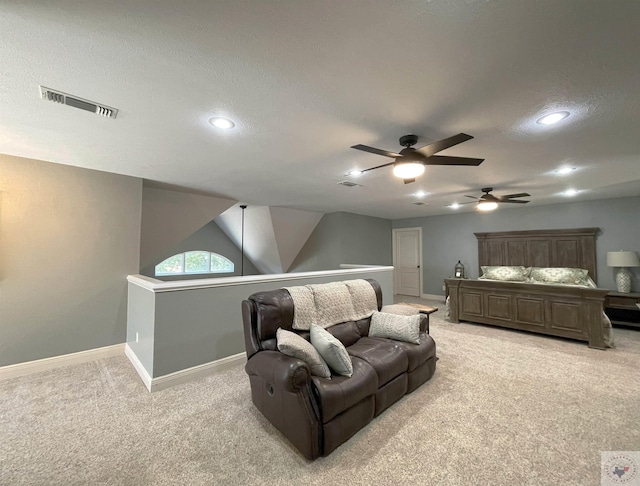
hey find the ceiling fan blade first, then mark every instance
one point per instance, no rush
(472, 197)
(511, 196)
(510, 201)
(445, 160)
(379, 166)
(408, 181)
(470, 202)
(445, 143)
(373, 150)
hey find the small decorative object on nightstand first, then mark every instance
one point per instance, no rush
(623, 260)
(458, 270)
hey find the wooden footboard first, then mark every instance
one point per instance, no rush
(570, 312)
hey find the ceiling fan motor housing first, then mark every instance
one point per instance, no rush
(408, 140)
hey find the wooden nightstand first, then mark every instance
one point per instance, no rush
(622, 308)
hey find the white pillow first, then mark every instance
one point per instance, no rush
(332, 351)
(559, 275)
(291, 344)
(393, 326)
(506, 273)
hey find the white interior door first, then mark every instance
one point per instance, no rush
(407, 261)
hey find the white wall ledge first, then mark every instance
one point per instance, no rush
(155, 285)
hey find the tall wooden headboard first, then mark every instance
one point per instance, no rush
(575, 248)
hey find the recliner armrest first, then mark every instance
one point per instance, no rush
(275, 367)
(281, 390)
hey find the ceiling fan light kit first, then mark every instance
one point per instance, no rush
(410, 162)
(408, 170)
(489, 202)
(487, 206)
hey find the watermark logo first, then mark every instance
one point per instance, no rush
(620, 467)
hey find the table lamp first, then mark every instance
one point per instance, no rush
(623, 260)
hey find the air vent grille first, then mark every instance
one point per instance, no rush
(58, 98)
(76, 102)
(348, 184)
(419, 203)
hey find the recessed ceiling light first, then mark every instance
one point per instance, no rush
(420, 194)
(454, 206)
(553, 118)
(354, 173)
(564, 170)
(223, 123)
(570, 192)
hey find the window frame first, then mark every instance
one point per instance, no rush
(183, 258)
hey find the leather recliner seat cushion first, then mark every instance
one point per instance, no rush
(416, 353)
(385, 356)
(341, 392)
(390, 393)
(421, 374)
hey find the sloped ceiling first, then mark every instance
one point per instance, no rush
(273, 237)
(168, 217)
(304, 81)
(292, 229)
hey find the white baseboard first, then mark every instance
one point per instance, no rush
(183, 376)
(137, 364)
(433, 297)
(46, 364)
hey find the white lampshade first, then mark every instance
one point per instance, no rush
(408, 170)
(622, 259)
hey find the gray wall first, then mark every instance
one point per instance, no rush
(68, 239)
(345, 238)
(197, 326)
(366, 240)
(170, 216)
(449, 238)
(210, 238)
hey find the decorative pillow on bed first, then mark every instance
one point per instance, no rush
(559, 275)
(291, 344)
(332, 351)
(393, 326)
(510, 274)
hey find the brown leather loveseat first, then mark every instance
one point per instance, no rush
(317, 414)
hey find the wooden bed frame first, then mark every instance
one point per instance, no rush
(570, 312)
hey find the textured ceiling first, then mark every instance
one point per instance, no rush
(306, 80)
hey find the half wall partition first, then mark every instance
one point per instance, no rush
(180, 330)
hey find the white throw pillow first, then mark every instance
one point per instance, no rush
(505, 273)
(332, 351)
(393, 326)
(559, 275)
(291, 344)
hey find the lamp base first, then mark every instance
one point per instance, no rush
(623, 280)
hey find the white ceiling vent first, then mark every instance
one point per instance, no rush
(348, 184)
(71, 100)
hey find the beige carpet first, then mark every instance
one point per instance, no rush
(504, 408)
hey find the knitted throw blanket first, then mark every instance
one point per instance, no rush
(332, 303)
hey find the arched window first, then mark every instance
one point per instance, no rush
(194, 262)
